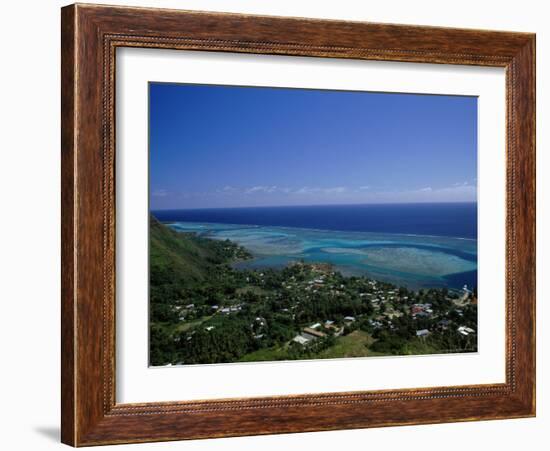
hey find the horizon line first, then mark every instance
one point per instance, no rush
(315, 205)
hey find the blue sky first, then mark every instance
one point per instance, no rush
(226, 146)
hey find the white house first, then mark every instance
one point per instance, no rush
(465, 330)
(300, 339)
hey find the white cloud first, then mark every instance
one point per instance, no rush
(458, 190)
(273, 194)
(336, 190)
(453, 193)
(305, 190)
(317, 190)
(160, 193)
(261, 189)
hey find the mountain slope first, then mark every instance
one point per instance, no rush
(179, 258)
(179, 261)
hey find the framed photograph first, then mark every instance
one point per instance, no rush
(279, 225)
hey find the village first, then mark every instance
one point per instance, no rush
(310, 310)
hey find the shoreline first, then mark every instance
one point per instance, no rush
(462, 263)
(302, 311)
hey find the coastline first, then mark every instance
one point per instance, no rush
(422, 261)
(304, 310)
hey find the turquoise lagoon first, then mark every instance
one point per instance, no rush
(413, 261)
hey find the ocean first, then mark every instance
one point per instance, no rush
(442, 219)
(412, 245)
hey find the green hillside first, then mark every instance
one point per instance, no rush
(180, 263)
(184, 268)
(177, 257)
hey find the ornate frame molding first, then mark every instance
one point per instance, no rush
(91, 35)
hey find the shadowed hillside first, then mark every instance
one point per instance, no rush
(177, 257)
(179, 260)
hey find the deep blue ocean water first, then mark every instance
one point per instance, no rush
(414, 245)
(443, 219)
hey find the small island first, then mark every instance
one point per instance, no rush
(204, 310)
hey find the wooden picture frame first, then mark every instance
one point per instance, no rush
(90, 36)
